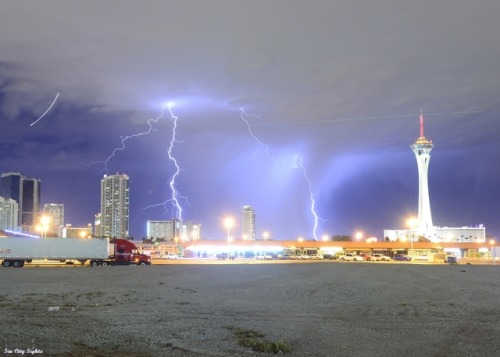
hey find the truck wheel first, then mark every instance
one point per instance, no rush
(142, 263)
(104, 264)
(16, 264)
(6, 263)
(93, 263)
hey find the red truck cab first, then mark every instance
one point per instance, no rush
(125, 253)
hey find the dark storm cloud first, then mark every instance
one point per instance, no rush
(338, 83)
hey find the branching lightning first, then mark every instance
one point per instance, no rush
(53, 102)
(244, 116)
(174, 200)
(124, 139)
(175, 193)
(298, 163)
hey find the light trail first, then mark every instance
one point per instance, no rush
(298, 163)
(53, 102)
(244, 116)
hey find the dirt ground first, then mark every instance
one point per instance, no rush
(315, 309)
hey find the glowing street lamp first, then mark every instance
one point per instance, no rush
(358, 235)
(44, 225)
(265, 235)
(492, 243)
(412, 223)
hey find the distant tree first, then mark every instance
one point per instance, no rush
(387, 239)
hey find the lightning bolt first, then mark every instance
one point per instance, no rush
(298, 163)
(174, 200)
(50, 107)
(124, 139)
(244, 116)
(175, 193)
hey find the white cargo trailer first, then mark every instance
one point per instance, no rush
(14, 251)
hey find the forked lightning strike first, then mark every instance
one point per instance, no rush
(124, 139)
(244, 116)
(175, 194)
(174, 200)
(298, 163)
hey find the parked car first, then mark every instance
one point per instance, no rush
(349, 257)
(316, 256)
(379, 257)
(402, 257)
(223, 256)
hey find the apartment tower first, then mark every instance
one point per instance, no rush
(115, 206)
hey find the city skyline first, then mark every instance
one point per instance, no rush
(337, 85)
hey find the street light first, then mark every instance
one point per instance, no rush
(358, 235)
(229, 223)
(44, 225)
(265, 235)
(412, 223)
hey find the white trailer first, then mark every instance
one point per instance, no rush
(14, 251)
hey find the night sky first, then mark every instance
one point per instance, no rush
(333, 88)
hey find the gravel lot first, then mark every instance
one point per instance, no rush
(317, 309)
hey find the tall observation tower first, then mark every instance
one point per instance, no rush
(422, 149)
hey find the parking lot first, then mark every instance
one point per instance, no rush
(192, 307)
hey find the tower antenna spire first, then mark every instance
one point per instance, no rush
(421, 124)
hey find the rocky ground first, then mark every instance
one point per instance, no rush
(312, 309)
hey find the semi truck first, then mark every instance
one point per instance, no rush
(16, 251)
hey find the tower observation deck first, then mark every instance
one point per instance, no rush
(422, 148)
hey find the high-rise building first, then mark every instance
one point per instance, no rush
(9, 214)
(26, 192)
(115, 206)
(55, 212)
(11, 186)
(423, 228)
(248, 226)
(190, 231)
(422, 148)
(31, 202)
(165, 230)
